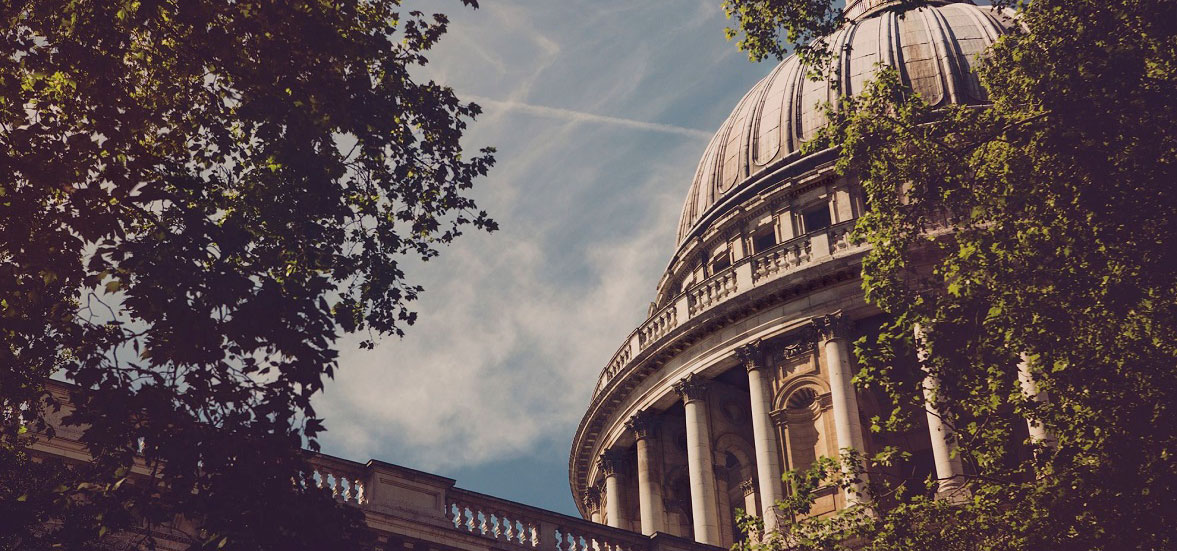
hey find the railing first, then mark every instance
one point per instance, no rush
(711, 291)
(620, 359)
(781, 260)
(658, 325)
(519, 526)
(344, 478)
(839, 236)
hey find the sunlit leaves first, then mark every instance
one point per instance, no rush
(1038, 227)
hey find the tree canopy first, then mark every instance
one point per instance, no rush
(197, 198)
(1037, 228)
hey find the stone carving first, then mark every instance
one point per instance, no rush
(832, 326)
(798, 349)
(642, 424)
(611, 462)
(592, 499)
(751, 355)
(804, 343)
(692, 387)
(748, 486)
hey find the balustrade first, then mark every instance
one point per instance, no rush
(493, 523)
(658, 325)
(839, 236)
(782, 259)
(521, 526)
(343, 479)
(785, 258)
(711, 291)
(620, 359)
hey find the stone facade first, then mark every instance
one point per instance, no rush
(744, 363)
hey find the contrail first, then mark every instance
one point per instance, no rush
(580, 116)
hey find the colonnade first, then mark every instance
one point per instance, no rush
(832, 332)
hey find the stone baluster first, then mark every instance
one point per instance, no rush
(336, 486)
(471, 520)
(498, 524)
(700, 468)
(768, 463)
(454, 512)
(649, 483)
(516, 530)
(833, 330)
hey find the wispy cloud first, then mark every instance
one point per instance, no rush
(581, 116)
(515, 326)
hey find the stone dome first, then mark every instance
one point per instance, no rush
(934, 49)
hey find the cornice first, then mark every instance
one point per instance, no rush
(645, 362)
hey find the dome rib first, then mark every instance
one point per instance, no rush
(934, 48)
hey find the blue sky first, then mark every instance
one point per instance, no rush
(600, 110)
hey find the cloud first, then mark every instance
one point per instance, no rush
(515, 327)
(508, 348)
(580, 116)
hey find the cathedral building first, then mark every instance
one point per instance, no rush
(743, 367)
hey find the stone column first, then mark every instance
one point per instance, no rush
(700, 467)
(749, 489)
(649, 483)
(768, 462)
(592, 503)
(948, 467)
(610, 464)
(832, 331)
(1038, 433)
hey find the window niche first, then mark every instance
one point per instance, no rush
(816, 217)
(763, 238)
(720, 260)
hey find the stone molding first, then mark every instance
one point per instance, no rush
(779, 418)
(691, 388)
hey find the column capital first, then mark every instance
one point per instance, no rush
(643, 424)
(611, 462)
(832, 326)
(691, 388)
(592, 499)
(752, 355)
(779, 417)
(747, 486)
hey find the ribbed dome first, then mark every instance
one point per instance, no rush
(933, 47)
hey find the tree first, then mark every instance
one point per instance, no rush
(1061, 212)
(197, 199)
